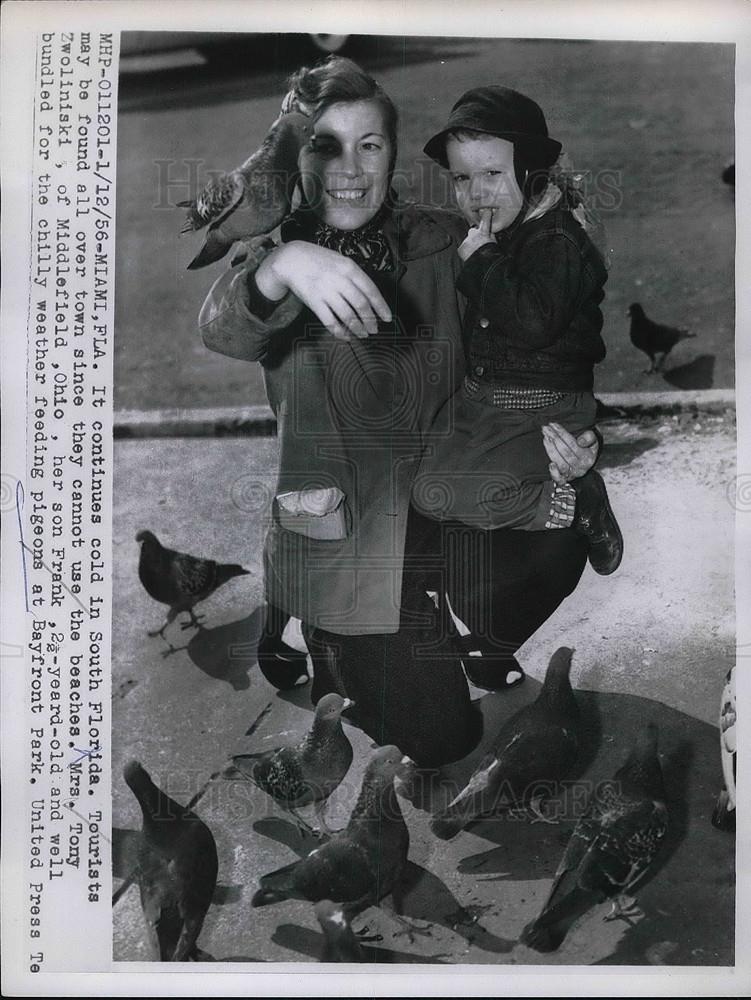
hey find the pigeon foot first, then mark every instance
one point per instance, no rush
(538, 816)
(304, 828)
(195, 622)
(625, 908)
(410, 930)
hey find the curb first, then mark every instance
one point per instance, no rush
(259, 421)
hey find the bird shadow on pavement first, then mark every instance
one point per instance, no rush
(695, 374)
(124, 851)
(300, 697)
(285, 832)
(310, 943)
(228, 652)
(619, 453)
(425, 897)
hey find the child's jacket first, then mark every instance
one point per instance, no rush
(534, 315)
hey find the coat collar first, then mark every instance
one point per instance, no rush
(413, 232)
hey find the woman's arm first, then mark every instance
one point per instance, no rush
(297, 274)
(333, 287)
(228, 322)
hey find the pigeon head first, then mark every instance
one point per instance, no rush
(331, 706)
(642, 768)
(136, 776)
(289, 134)
(387, 763)
(634, 310)
(559, 667)
(294, 125)
(147, 536)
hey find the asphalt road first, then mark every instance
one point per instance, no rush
(652, 123)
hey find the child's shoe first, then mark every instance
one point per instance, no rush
(595, 520)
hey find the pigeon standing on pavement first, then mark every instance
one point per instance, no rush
(361, 864)
(179, 580)
(252, 199)
(611, 848)
(310, 771)
(654, 338)
(176, 869)
(535, 749)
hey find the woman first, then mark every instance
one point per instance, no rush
(356, 321)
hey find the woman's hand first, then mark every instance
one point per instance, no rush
(570, 457)
(332, 286)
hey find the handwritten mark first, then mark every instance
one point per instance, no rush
(97, 749)
(102, 834)
(78, 601)
(20, 500)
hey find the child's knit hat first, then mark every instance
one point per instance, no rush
(504, 113)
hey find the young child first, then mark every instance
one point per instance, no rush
(534, 283)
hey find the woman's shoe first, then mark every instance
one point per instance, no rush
(283, 666)
(490, 671)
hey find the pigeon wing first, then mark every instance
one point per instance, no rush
(159, 901)
(625, 848)
(280, 775)
(193, 577)
(538, 754)
(340, 870)
(219, 197)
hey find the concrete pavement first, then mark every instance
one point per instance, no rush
(655, 640)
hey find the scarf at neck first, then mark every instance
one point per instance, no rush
(367, 246)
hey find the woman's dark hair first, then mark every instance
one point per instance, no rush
(531, 175)
(340, 81)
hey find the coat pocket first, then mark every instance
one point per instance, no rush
(319, 513)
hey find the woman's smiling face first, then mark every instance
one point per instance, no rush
(345, 167)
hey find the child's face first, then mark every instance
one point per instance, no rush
(482, 170)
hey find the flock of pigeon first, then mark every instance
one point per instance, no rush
(611, 848)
